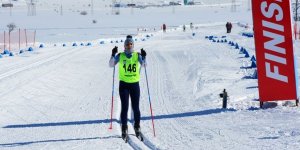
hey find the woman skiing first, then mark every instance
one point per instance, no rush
(130, 63)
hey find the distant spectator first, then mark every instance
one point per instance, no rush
(183, 28)
(228, 27)
(164, 27)
(191, 26)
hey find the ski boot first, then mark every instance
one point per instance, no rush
(138, 133)
(124, 133)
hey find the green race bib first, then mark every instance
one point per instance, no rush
(129, 68)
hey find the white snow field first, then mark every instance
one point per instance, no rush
(59, 98)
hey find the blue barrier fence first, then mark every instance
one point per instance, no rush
(30, 49)
(242, 50)
(248, 34)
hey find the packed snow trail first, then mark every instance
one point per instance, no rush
(64, 101)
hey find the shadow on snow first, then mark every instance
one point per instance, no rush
(158, 117)
(169, 116)
(60, 140)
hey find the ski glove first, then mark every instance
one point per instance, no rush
(114, 51)
(143, 53)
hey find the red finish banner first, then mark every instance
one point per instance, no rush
(274, 49)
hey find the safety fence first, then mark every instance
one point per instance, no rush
(22, 47)
(17, 39)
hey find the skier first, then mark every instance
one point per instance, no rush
(130, 63)
(183, 27)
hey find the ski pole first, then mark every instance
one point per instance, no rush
(112, 99)
(150, 102)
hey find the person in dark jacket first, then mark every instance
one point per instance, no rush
(164, 27)
(228, 27)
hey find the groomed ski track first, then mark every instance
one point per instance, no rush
(60, 97)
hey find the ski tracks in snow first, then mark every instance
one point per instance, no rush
(133, 141)
(165, 98)
(43, 60)
(172, 100)
(18, 68)
(9, 73)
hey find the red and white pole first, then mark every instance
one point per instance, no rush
(295, 30)
(4, 41)
(299, 33)
(26, 38)
(8, 40)
(150, 102)
(34, 38)
(19, 38)
(112, 99)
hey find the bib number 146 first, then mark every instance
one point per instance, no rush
(130, 68)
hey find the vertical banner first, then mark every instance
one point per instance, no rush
(274, 50)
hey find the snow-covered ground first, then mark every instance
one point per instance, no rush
(60, 97)
(71, 26)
